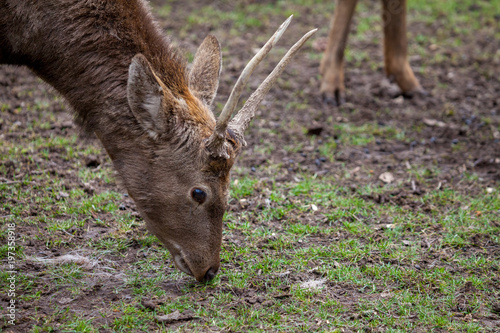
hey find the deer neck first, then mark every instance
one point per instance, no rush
(84, 52)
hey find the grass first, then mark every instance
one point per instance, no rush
(275, 249)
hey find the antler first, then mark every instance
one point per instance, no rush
(240, 122)
(216, 143)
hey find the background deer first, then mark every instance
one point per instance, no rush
(397, 67)
(128, 86)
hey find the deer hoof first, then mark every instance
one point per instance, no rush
(419, 93)
(335, 99)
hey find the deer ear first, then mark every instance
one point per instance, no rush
(144, 94)
(204, 75)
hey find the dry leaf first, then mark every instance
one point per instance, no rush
(434, 122)
(386, 294)
(313, 284)
(64, 300)
(386, 177)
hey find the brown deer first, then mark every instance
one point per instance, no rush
(397, 67)
(127, 85)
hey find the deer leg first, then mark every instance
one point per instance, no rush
(397, 67)
(332, 63)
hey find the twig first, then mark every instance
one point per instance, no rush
(12, 182)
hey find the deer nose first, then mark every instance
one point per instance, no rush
(210, 274)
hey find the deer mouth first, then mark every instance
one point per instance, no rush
(181, 264)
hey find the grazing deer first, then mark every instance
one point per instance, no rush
(397, 67)
(127, 85)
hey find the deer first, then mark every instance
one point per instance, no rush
(397, 66)
(129, 86)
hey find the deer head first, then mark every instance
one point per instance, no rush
(189, 153)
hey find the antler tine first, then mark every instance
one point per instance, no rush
(240, 121)
(217, 138)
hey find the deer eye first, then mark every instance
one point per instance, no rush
(198, 195)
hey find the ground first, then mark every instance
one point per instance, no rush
(380, 215)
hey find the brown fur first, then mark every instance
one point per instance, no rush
(397, 66)
(127, 85)
(102, 36)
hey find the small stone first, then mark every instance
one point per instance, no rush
(175, 316)
(64, 300)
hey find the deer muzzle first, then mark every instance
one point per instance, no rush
(197, 268)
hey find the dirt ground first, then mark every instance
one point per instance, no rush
(454, 131)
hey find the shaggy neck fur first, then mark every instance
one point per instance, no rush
(83, 48)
